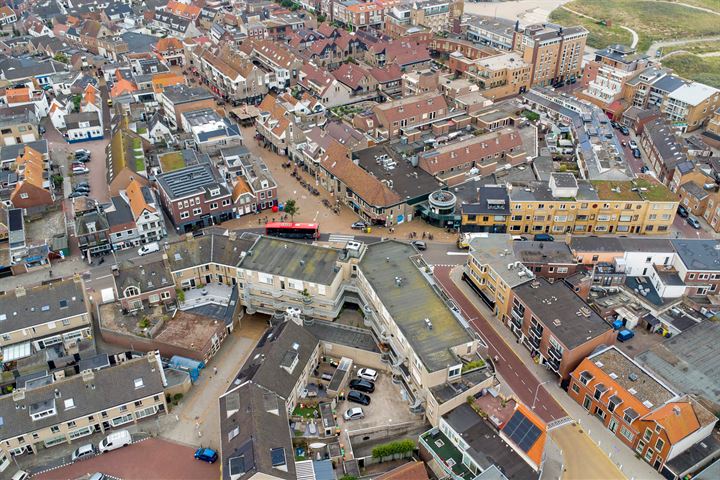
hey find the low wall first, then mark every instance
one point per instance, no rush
(363, 358)
(145, 345)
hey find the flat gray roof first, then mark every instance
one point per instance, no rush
(497, 251)
(296, 260)
(555, 305)
(699, 254)
(689, 360)
(412, 302)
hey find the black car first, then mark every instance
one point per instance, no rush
(644, 169)
(543, 237)
(362, 385)
(615, 124)
(358, 397)
(682, 211)
(624, 130)
(636, 153)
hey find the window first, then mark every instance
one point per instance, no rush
(71, 424)
(454, 371)
(122, 419)
(139, 383)
(54, 429)
(575, 388)
(184, 214)
(659, 444)
(123, 408)
(197, 211)
(649, 454)
(647, 435)
(640, 446)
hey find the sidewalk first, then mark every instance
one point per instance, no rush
(618, 453)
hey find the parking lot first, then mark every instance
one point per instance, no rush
(386, 407)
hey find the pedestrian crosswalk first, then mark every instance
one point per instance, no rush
(338, 238)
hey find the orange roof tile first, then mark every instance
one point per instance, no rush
(241, 187)
(16, 95)
(90, 94)
(677, 418)
(122, 86)
(34, 165)
(409, 471)
(183, 9)
(166, 79)
(136, 199)
(168, 43)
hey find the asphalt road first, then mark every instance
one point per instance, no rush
(512, 368)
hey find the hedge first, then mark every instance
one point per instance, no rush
(393, 448)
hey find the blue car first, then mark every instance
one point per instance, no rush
(206, 455)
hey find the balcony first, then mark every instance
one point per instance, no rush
(447, 455)
(535, 342)
(553, 364)
(555, 353)
(536, 332)
(516, 322)
(212, 293)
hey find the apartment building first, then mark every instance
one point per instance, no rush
(177, 99)
(712, 212)
(493, 270)
(605, 76)
(35, 318)
(231, 75)
(498, 76)
(554, 52)
(281, 63)
(358, 15)
(565, 204)
(556, 325)
(279, 128)
(46, 411)
(494, 32)
(649, 87)
(436, 16)
(195, 197)
(691, 105)
(647, 415)
(665, 152)
(695, 192)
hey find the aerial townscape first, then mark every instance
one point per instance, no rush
(359, 239)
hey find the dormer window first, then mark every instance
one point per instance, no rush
(214, 192)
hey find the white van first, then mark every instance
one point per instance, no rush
(114, 441)
(149, 248)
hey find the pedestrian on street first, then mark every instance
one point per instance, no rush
(214, 370)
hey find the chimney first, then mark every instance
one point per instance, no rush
(88, 375)
(19, 291)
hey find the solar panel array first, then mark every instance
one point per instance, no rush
(522, 431)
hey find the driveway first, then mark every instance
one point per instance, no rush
(195, 420)
(152, 458)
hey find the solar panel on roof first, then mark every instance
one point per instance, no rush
(277, 455)
(522, 431)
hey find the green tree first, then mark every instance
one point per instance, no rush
(76, 102)
(61, 57)
(321, 18)
(57, 180)
(291, 209)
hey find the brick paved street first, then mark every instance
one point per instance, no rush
(150, 459)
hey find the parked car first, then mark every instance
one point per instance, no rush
(114, 441)
(20, 475)
(206, 455)
(682, 211)
(624, 130)
(358, 397)
(82, 184)
(361, 385)
(78, 194)
(83, 452)
(519, 238)
(543, 237)
(354, 413)
(693, 222)
(636, 153)
(82, 188)
(633, 144)
(98, 476)
(82, 159)
(359, 225)
(80, 170)
(418, 244)
(615, 124)
(367, 374)
(644, 169)
(82, 151)
(149, 248)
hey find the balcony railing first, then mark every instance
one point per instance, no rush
(555, 353)
(536, 332)
(535, 342)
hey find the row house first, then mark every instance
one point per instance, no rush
(141, 286)
(397, 117)
(195, 197)
(18, 125)
(324, 86)
(481, 155)
(281, 62)
(389, 80)
(642, 411)
(279, 128)
(35, 318)
(170, 50)
(58, 410)
(695, 192)
(254, 188)
(34, 186)
(28, 96)
(90, 33)
(134, 217)
(361, 83)
(92, 229)
(7, 18)
(234, 78)
(665, 152)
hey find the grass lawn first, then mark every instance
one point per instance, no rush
(651, 20)
(307, 412)
(709, 4)
(171, 161)
(138, 155)
(600, 36)
(705, 70)
(696, 47)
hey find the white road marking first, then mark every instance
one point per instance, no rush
(456, 253)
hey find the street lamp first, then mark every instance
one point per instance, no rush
(537, 389)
